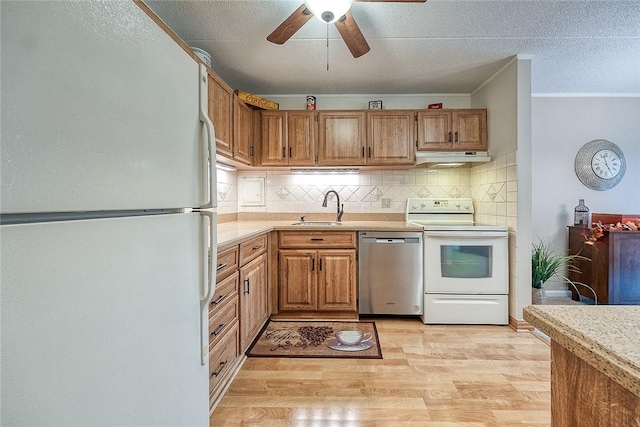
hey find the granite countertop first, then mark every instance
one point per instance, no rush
(605, 336)
(230, 233)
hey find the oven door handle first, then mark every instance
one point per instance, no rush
(466, 234)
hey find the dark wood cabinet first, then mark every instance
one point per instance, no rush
(614, 269)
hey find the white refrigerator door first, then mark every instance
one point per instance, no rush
(101, 322)
(100, 111)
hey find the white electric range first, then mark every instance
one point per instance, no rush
(466, 265)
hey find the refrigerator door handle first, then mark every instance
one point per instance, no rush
(208, 154)
(208, 286)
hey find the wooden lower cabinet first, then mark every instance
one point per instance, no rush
(224, 338)
(222, 360)
(613, 267)
(253, 292)
(298, 280)
(238, 309)
(317, 280)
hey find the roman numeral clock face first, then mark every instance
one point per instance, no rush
(600, 164)
(605, 164)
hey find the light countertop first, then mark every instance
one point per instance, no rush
(230, 233)
(605, 336)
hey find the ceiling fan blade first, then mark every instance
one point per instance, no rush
(293, 23)
(352, 35)
(390, 1)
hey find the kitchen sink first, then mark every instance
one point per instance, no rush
(317, 223)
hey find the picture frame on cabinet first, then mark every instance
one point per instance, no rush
(375, 105)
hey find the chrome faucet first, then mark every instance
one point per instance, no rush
(340, 210)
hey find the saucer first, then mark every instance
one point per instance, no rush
(335, 345)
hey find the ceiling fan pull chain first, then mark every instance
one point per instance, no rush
(327, 46)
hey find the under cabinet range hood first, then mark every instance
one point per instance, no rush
(450, 159)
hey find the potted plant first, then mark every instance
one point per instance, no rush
(546, 263)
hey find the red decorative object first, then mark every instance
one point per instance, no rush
(435, 106)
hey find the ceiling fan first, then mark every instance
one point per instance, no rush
(332, 11)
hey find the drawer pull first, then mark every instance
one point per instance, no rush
(219, 300)
(221, 266)
(317, 239)
(255, 248)
(247, 284)
(222, 365)
(220, 328)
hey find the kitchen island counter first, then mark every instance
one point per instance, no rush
(595, 362)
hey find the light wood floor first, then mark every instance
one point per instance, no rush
(429, 376)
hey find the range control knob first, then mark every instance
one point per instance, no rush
(467, 206)
(423, 204)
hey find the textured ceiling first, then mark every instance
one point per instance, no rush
(441, 46)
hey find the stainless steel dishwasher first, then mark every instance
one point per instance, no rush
(390, 273)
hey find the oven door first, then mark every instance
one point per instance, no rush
(466, 262)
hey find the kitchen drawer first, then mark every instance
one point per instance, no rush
(222, 356)
(225, 290)
(223, 320)
(227, 262)
(252, 248)
(317, 239)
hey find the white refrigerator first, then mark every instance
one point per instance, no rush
(107, 216)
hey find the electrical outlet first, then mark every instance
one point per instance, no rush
(386, 203)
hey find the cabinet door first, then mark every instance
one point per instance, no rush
(274, 136)
(469, 130)
(220, 112)
(391, 137)
(337, 280)
(297, 282)
(341, 138)
(624, 268)
(301, 138)
(242, 140)
(253, 299)
(434, 130)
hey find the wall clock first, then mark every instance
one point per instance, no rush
(600, 164)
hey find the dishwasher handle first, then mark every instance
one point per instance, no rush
(392, 240)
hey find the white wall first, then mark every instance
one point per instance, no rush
(361, 102)
(561, 125)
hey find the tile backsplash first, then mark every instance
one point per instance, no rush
(492, 186)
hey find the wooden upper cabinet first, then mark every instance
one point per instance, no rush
(288, 138)
(220, 113)
(341, 138)
(470, 130)
(301, 137)
(434, 130)
(452, 130)
(391, 137)
(242, 137)
(273, 138)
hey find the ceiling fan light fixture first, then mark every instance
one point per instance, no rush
(328, 11)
